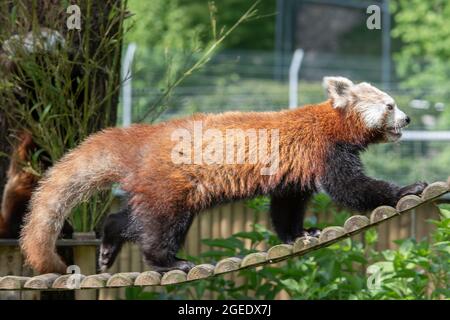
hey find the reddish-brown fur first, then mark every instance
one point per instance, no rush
(139, 158)
(18, 188)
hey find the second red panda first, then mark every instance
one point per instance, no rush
(18, 188)
(317, 149)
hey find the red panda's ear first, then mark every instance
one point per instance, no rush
(338, 89)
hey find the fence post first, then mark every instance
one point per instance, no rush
(293, 78)
(126, 80)
(84, 256)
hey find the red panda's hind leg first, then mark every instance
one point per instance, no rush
(160, 238)
(117, 229)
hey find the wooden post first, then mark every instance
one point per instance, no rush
(11, 263)
(84, 257)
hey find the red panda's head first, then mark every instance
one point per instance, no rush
(376, 109)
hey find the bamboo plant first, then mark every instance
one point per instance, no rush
(63, 92)
(65, 83)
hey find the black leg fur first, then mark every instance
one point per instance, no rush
(161, 237)
(347, 184)
(116, 231)
(287, 213)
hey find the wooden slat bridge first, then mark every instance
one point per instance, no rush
(354, 225)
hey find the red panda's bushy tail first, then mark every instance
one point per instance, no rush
(73, 179)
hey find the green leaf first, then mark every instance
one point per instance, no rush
(292, 285)
(230, 243)
(252, 235)
(406, 247)
(444, 211)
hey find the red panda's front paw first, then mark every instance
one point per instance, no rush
(415, 189)
(311, 232)
(178, 264)
(184, 265)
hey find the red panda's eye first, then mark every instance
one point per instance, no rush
(390, 106)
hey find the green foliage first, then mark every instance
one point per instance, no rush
(175, 23)
(416, 270)
(423, 62)
(175, 52)
(228, 11)
(164, 35)
(63, 92)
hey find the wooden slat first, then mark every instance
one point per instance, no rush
(193, 239)
(201, 271)
(173, 277)
(95, 281)
(227, 265)
(331, 233)
(136, 258)
(148, 278)
(123, 279)
(10, 264)
(68, 281)
(355, 222)
(41, 282)
(434, 190)
(383, 237)
(382, 213)
(13, 282)
(304, 243)
(125, 258)
(404, 224)
(278, 251)
(85, 258)
(254, 258)
(408, 202)
(215, 223)
(205, 226)
(226, 222)
(427, 212)
(247, 215)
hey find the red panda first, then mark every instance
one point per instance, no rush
(18, 188)
(168, 181)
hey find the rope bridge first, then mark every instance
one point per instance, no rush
(330, 235)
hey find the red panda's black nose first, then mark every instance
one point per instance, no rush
(408, 120)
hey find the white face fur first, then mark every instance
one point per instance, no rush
(377, 109)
